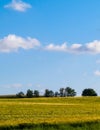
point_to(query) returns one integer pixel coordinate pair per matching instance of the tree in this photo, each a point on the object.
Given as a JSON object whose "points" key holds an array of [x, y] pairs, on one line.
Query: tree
{"points": [[36, 93], [56, 94], [62, 92], [20, 95], [51, 93], [89, 92], [29, 93], [69, 92], [48, 93]]}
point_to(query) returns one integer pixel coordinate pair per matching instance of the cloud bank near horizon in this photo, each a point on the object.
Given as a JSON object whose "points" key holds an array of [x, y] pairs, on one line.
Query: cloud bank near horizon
{"points": [[12, 43]]}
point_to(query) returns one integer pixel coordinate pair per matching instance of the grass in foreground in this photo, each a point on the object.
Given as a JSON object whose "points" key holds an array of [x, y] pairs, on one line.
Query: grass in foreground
{"points": [[44, 126], [50, 113]]}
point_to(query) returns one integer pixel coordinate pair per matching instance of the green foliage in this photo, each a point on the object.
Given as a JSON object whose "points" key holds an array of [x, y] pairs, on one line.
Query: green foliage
{"points": [[89, 92], [56, 94], [68, 91], [48, 93], [36, 93], [45, 126], [20, 95], [29, 93], [62, 92]]}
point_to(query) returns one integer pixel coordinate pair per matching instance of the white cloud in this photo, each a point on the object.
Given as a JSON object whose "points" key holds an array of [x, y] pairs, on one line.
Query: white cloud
{"points": [[75, 46], [18, 5], [97, 73], [15, 85], [52, 47], [91, 47], [18, 85], [12, 43]]}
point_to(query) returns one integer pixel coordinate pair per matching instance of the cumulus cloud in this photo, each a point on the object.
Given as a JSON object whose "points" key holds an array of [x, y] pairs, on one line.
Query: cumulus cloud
{"points": [[18, 5], [75, 46], [52, 47], [97, 73], [91, 47], [12, 43], [63, 47]]}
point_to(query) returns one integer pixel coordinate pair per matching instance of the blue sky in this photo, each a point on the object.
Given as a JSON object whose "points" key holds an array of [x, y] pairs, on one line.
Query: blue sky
{"points": [[49, 44]]}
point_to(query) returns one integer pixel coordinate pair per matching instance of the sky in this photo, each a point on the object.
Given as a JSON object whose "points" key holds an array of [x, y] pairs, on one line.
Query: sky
{"points": [[49, 44]]}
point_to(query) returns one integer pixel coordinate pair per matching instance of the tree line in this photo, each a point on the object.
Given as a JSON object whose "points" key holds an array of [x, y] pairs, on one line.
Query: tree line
{"points": [[63, 92]]}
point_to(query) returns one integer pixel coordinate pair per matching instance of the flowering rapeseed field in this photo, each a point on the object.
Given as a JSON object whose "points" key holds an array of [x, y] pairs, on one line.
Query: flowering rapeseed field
{"points": [[49, 110]]}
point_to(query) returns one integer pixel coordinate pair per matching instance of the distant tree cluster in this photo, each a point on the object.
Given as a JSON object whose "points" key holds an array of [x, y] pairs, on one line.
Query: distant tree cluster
{"points": [[63, 92], [89, 92], [67, 92], [29, 94]]}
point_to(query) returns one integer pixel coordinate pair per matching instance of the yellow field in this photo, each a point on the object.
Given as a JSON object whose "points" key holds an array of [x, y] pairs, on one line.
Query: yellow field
{"points": [[49, 110]]}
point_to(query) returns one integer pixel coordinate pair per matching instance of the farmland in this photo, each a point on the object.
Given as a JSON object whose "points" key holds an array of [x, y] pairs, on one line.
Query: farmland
{"points": [[29, 112]]}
